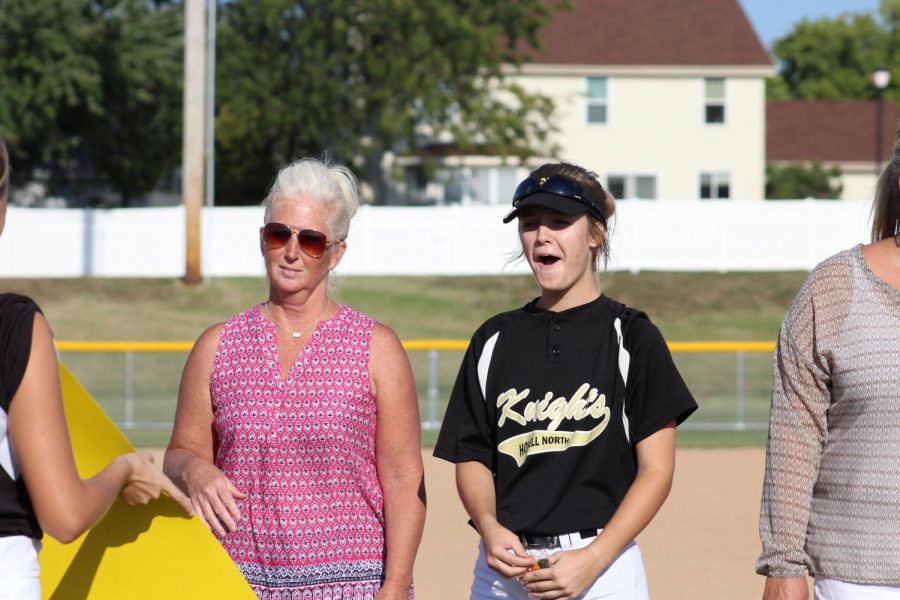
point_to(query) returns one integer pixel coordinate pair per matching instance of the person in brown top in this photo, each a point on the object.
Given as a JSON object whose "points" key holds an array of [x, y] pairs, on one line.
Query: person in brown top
{"points": [[831, 492]]}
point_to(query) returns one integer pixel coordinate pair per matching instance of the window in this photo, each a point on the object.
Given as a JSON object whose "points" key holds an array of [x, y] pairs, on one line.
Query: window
{"points": [[478, 184], [596, 100], [645, 187], [507, 180], [714, 96], [715, 186], [632, 186], [615, 185]]}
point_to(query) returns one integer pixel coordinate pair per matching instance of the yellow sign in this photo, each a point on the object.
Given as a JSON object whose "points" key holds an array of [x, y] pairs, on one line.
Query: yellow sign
{"points": [[148, 552]]}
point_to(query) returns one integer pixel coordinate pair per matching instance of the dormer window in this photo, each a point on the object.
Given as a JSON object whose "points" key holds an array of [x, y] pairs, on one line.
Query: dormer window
{"points": [[714, 96], [596, 100]]}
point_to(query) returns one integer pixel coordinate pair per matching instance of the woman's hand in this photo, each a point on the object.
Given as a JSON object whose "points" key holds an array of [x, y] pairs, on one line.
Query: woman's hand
{"points": [[569, 574], [398, 458], [213, 495], [504, 552], [189, 457], [786, 588], [146, 482], [393, 590]]}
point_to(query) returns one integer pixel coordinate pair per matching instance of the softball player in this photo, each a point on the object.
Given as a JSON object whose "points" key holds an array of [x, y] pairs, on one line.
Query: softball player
{"points": [[562, 419]]}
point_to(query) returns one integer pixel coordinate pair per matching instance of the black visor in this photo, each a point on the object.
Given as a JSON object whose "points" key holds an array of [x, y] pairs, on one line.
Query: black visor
{"points": [[557, 192]]}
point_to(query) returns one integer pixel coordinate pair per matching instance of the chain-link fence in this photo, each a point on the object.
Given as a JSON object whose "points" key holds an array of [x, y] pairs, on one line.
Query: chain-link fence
{"points": [[136, 383]]}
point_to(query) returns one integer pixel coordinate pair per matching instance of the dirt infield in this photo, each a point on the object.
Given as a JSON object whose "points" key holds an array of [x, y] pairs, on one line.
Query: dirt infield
{"points": [[701, 546]]}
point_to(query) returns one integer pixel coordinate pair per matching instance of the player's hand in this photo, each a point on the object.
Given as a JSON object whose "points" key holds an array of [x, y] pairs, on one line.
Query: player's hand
{"points": [[504, 551], [569, 574], [146, 482], [786, 588]]}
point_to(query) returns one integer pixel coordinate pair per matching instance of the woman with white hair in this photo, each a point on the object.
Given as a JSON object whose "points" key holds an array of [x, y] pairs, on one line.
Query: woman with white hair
{"points": [[297, 429]]}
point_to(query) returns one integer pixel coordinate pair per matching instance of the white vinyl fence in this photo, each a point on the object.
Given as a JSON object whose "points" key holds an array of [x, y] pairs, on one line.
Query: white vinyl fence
{"points": [[437, 240]]}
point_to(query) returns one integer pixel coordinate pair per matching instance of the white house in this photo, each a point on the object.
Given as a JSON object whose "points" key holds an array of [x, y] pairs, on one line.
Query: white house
{"points": [[664, 99]]}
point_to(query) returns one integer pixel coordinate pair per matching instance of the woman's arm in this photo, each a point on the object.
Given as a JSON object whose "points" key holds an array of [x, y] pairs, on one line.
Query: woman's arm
{"points": [[502, 548], [189, 456], [798, 427], [66, 506], [571, 572], [398, 455], [786, 588]]}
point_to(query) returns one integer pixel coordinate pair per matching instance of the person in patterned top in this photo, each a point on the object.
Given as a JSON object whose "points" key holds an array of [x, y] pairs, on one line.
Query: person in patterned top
{"points": [[297, 429], [831, 491]]}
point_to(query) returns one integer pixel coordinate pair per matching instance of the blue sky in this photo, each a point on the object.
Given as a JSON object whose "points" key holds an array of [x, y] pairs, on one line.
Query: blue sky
{"points": [[773, 19]]}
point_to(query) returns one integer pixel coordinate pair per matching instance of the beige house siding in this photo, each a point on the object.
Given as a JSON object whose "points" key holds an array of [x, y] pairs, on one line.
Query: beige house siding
{"points": [[655, 126]]}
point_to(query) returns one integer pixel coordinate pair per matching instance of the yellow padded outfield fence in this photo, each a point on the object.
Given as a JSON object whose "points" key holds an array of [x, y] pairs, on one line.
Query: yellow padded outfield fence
{"points": [[722, 386], [63, 346], [677, 347], [409, 345], [730, 400]]}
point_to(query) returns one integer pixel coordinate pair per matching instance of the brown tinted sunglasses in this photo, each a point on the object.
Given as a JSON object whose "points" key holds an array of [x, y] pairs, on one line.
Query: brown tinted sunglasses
{"points": [[312, 243]]}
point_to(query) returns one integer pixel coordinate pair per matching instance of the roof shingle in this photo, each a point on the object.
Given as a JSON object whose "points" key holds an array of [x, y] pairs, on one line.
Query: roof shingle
{"points": [[651, 32], [827, 130]]}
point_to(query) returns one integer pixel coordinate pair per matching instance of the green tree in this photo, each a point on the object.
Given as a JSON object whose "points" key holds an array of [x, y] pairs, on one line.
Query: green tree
{"points": [[93, 88], [47, 80], [136, 141], [834, 58], [793, 182], [359, 78]]}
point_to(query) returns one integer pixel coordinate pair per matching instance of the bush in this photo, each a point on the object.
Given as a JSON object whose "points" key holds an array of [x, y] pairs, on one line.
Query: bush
{"points": [[792, 182]]}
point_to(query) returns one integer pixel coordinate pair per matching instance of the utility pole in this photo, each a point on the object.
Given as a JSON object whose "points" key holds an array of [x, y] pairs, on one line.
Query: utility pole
{"points": [[193, 146], [210, 120], [881, 78]]}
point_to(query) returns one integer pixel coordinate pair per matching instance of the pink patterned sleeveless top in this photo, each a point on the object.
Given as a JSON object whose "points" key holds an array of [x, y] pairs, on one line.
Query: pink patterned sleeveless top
{"points": [[303, 450]]}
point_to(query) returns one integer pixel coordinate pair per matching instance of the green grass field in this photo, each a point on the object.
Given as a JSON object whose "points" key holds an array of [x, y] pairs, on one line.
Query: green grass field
{"points": [[686, 307]]}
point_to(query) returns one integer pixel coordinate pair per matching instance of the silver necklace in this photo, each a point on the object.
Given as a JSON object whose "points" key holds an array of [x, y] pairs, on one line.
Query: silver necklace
{"points": [[295, 334]]}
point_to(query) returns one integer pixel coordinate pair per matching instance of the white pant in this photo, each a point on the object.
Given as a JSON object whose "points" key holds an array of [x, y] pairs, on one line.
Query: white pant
{"points": [[835, 589], [19, 569], [624, 579]]}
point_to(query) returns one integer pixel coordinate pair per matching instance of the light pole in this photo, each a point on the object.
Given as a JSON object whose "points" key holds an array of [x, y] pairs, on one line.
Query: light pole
{"points": [[881, 77]]}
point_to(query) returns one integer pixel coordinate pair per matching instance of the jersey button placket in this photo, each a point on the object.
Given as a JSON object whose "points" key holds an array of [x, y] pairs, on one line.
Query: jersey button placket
{"points": [[555, 350]]}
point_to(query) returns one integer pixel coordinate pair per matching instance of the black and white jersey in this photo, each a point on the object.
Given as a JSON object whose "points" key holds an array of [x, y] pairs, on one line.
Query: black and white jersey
{"points": [[17, 516], [554, 404]]}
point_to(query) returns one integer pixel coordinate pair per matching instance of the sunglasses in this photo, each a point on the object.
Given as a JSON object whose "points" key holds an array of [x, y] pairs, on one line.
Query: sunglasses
{"points": [[558, 185], [312, 243]]}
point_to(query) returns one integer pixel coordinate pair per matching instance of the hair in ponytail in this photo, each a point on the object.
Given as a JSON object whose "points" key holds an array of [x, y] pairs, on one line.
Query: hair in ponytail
{"points": [[886, 209], [4, 171]]}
